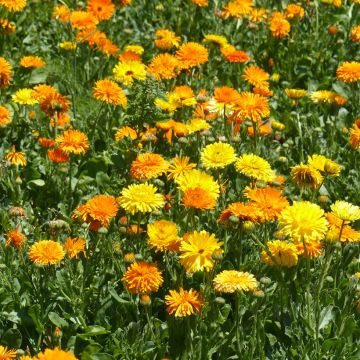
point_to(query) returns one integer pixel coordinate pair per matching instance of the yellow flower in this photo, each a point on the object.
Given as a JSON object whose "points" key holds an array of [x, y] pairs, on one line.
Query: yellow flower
{"points": [[163, 235], [218, 155], [16, 157], [303, 221], [282, 254], [306, 175], [254, 166], [140, 198], [46, 252], [55, 354], [7, 354], [183, 303], [67, 45], [229, 281], [295, 93], [196, 251], [345, 211], [125, 131], [216, 39], [126, 72], [137, 49], [324, 165], [25, 97], [32, 62], [179, 166]]}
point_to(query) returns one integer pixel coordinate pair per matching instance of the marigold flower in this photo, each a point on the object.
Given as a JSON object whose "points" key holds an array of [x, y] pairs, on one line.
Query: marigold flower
{"points": [[57, 156], [254, 166], [73, 142], [179, 166], [198, 198], [281, 253], [183, 303], [238, 8], [46, 142], [142, 278], [229, 281], [166, 39], [251, 107], [197, 249], [126, 72], [75, 246], [256, 76], [233, 55], [164, 66], [294, 11], [324, 165], [83, 20], [216, 39], [55, 354], [46, 252], [242, 211], [4, 116], [7, 354], [323, 96], [306, 176], [201, 3], [16, 157], [163, 235], [148, 166], [14, 5], [15, 238], [303, 221], [67, 45], [140, 198], [348, 72], [354, 139], [110, 92], [32, 62], [124, 132], [217, 155], [101, 9], [312, 249], [355, 34], [279, 26], [61, 13], [345, 211], [5, 73], [25, 97], [295, 93], [257, 15], [129, 56], [191, 54]]}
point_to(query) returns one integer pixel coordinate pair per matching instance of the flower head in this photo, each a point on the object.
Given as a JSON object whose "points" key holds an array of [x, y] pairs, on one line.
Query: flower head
{"points": [[142, 278], [163, 235], [126, 72], [198, 198], [295, 93], [7, 354], [191, 54], [179, 166], [83, 20], [101, 9], [306, 176], [55, 354], [324, 165], [46, 252], [256, 76], [148, 166], [5, 73], [348, 72], [229, 281], [75, 246], [251, 107], [73, 142], [279, 26], [183, 303], [4, 116], [16, 157], [32, 62], [15, 238], [254, 166], [110, 92], [164, 66], [345, 211], [25, 97], [218, 155], [281, 253], [166, 39]]}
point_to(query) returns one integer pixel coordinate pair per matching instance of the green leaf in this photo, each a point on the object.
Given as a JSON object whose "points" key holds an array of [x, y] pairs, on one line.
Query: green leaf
{"points": [[57, 320], [101, 356], [35, 313], [12, 338], [93, 331], [33, 184], [326, 316], [114, 294]]}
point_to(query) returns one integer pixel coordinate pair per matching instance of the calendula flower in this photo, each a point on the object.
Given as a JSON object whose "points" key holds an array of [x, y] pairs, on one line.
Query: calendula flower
{"points": [[224, 100], [166, 39], [148, 166], [279, 26], [198, 198], [216, 39], [46, 252], [5, 73], [355, 34], [83, 20], [348, 72], [14, 5], [191, 54], [242, 211], [4, 116], [110, 92], [98, 211], [229, 281], [126, 72], [16, 239], [256, 76], [142, 278], [218, 155], [312, 249], [67, 45], [295, 93], [324, 165], [46, 142], [294, 11], [251, 107], [238, 8], [163, 235], [183, 303], [164, 66], [196, 251], [73, 142], [345, 211], [61, 13], [354, 138], [179, 166], [140, 198], [201, 3], [16, 157], [233, 55], [258, 15], [7, 354], [281, 253], [55, 354], [101, 9], [75, 246], [303, 221], [125, 132], [58, 156], [255, 167], [32, 62], [306, 176], [25, 97]]}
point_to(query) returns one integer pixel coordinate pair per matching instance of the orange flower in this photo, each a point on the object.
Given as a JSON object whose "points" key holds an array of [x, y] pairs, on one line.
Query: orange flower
{"points": [[354, 139], [243, 211], [125, 131], [183, 303], [107, 47], [142, 278], [163, 66], [279, 26], [61, 13], [199, 198], [233, 55], [201, 3], [110, 92], [313, 249], [32, 62], [46, 142], [58, 156], [15, 238], [238, 8], [251, 107], [46, 252], [62, 120], [74, 247], [263, 130], [4, 116], [83, 20], [256, 76], [52, 102], [148, 166], [101, 9], [58, 354], [226, 96], [348, 72], [5, 73], [294, 11], [129, 56], [166, 39], [191, 54], [98, 211], [73, 142], [13, 5], [16, 157]]}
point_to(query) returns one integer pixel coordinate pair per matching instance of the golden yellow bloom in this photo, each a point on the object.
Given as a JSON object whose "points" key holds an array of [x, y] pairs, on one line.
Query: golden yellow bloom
{"points": [[279, 26], [348, 72], [229, 281], [67, 45], [182, 96], [46, 252], [110, 92], [281, 253], [354, 138], [137, 49], [126, 72], [324, 165], [142, 278], [218, 155], [216, 39], [254, 166], [83, 20], [183, 303], [73, 142], [148, 166], [16, 157], [355, 34], [4, 116], [163, 235], [55, 354], [251, 107], [256, 76], [295, 93], [25, 97], [303, 221], [191, 54], [125, 131], [294, 11], [197, 249], [32, 62], [164, 66], [238, 8], [345, 211], [179, 166], [140, 198], [5, 73], [258, 15], [7, 354], [74, 246], [306, 175], [166, 39], [14, 5]]}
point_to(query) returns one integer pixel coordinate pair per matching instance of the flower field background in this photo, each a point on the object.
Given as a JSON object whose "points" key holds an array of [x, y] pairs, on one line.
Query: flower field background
{"points": [[179, 179]]}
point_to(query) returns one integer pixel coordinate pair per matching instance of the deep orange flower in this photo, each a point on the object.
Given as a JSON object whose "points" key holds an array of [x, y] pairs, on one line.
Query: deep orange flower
{"points": [[226, 96], [164, 66], [4, 116], [58, 156], [148, 166], [46, 142], [110, 92], [279, 26], [183, 303], [73, 142], [251, 107], [53, 102], [15, 238], [348, 72], [191, 54], [142, 278], [313, 249], [83, 20], [129, 56], [61, 120], [243, 211], [263, 130], [166, 39], [231, 54], [354, 139], [75, 246], [5, 73], [46, 252], [101, 9], [198, 198]]}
